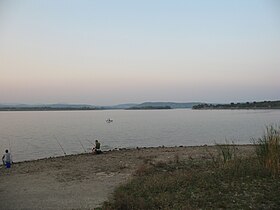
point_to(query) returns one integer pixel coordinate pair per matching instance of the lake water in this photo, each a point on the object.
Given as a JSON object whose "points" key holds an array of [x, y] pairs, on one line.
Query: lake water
{"points": [[33, 135]]}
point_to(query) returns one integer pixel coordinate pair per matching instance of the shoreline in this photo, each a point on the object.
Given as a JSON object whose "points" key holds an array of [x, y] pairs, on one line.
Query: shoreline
{"points": [[123, 149], [85, 181]]}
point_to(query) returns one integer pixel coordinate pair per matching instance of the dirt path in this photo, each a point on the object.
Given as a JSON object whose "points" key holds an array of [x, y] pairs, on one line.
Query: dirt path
{"points": [[81, 181]]}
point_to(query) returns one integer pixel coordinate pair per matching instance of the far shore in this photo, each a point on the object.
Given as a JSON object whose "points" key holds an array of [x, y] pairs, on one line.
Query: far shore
{"points": [[85, 181]]}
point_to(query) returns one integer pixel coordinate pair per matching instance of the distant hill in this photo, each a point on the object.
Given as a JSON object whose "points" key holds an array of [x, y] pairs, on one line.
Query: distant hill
{"points": [[172, 105], [45, 107], [148, 107], [142, 106], [164, 105], [120, 106], [75, 106], [247, 105], [50, 107]]}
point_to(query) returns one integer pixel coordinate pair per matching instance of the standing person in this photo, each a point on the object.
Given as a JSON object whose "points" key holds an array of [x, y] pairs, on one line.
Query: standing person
{"points": [[7, 159], [96, 149]]}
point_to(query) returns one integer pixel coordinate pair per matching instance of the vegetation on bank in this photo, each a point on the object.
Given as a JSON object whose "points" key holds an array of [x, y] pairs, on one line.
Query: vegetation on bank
{"points": [[223, 181], [247, 105]]}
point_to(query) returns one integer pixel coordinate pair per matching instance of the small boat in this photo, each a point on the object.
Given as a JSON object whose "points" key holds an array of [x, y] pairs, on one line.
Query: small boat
{"points": [[109, 120]]}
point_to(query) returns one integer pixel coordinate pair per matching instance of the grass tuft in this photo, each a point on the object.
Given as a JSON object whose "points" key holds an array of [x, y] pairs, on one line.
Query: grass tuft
{"points": [[227, 152], [268, 150]]}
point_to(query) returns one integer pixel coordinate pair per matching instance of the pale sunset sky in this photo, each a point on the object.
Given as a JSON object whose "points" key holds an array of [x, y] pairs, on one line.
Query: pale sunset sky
{"points": [[106, 52]]}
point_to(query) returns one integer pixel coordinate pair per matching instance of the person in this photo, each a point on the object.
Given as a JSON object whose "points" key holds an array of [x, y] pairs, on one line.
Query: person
{"points": [[7, 159], [96, 149]]}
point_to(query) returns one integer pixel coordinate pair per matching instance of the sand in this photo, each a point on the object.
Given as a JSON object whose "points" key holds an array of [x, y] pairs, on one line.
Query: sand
{"points": [[83, 181]]}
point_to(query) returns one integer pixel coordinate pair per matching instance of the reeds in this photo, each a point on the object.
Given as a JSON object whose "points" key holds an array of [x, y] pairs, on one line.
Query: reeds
{"points": [[226, 155], [268, 149], [227, 152]]}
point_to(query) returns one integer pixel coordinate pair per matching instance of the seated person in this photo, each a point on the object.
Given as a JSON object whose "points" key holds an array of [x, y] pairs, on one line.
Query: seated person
{"points": [[96, 149]]}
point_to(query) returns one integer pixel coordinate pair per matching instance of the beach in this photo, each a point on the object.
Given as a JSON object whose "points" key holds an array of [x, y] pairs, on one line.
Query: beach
{"points": [[85, 181]]}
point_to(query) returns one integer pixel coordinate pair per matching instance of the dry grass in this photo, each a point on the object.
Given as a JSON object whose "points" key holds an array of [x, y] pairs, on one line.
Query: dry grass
{"points": [[196, 184], [224, 181], [268, 150]]}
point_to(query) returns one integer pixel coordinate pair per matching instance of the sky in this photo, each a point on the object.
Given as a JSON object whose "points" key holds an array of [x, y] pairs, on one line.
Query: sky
{"points": [[106, 52]]}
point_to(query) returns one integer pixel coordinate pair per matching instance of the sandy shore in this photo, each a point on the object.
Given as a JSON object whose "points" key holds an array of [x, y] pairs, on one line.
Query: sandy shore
{"points": [[82, 181]]}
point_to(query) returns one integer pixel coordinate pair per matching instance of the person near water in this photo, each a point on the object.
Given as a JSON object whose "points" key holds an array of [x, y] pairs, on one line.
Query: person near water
{"points": [[7, 159], [96, 149]]}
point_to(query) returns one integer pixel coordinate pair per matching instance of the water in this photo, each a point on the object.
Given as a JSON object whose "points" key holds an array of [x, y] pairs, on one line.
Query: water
{"points": [[33, 135]]}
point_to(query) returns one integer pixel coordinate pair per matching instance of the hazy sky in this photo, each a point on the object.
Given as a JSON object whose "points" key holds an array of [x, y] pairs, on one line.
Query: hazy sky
{"points": [[109, 52]]}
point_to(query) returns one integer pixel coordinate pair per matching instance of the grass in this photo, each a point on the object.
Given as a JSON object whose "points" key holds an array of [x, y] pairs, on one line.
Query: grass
{"points": [[198, 185], [224, 181], [227, 152], [268, 149]]}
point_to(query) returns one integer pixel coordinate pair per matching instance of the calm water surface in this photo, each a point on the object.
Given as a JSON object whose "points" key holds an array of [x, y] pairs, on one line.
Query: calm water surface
{"points": [[33, 135]]}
